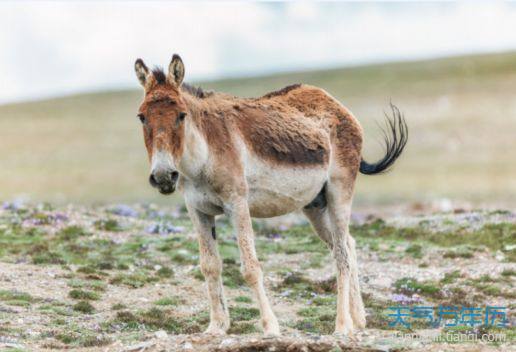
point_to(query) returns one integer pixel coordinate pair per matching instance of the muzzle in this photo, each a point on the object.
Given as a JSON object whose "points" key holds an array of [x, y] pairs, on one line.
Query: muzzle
{"points": [[164, 180]]}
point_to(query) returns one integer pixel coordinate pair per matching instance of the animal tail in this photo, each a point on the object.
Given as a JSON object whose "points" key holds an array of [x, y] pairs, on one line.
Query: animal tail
{"points": [[395, 137]]}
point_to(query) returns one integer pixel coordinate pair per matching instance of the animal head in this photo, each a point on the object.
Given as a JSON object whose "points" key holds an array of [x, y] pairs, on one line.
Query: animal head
{"points": [[162, 114]]}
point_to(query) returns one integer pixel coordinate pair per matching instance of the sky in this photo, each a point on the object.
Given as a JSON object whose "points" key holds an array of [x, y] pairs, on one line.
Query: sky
{"points": [[56, 48]]}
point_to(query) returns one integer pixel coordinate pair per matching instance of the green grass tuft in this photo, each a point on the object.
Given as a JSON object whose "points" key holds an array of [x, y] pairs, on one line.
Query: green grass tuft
{"points": [[70, 233], [410, 286], [6, 295], [168, 301], [451, 277], [415, 250], [111, 225], [83, 295], [239, 313], [165, 272], [243, 299], [84, 307], [158, 319]]}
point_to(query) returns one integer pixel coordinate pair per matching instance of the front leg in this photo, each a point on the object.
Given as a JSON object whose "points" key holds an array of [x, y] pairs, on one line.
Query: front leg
{"points": [[211, 268], [238, 211]]}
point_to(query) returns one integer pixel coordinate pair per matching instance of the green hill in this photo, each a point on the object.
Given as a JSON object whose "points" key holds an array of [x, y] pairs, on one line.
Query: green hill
{"points": [[461, 113]]}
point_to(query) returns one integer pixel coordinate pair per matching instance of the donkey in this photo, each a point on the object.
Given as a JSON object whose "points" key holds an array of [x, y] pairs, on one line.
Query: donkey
{"points": [[291, 149]]}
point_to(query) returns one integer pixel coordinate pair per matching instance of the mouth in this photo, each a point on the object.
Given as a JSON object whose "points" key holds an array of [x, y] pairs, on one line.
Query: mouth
{"points": [[166, 189], [165, 185]]}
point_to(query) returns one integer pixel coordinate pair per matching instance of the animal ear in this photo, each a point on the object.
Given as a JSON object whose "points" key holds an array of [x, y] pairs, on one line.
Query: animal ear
{"points": [[141, 71], [176, 71]]}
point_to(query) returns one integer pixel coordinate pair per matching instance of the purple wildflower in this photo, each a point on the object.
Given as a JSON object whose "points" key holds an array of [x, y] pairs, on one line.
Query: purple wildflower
{"points": [[14, 205], [404, 299], [163, 228], [60, 217], [273, 236], [124, 210]]}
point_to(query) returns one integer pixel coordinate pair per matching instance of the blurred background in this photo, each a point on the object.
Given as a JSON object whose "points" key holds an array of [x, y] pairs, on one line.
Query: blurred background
{"points": [[68, 95]]}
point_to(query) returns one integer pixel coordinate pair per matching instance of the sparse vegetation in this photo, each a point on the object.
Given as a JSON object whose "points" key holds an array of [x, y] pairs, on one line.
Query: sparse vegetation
{"points": [[451, 277], [155, 271], [243, 299], [409, 286], [493, 236], [84, 307], [160, 319], [108, 225], [167, 301], [243, 313], [83, 295], [415, 250]]}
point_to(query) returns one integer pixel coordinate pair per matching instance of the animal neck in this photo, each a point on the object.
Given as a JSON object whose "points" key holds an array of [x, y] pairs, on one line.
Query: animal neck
{"points": [[195, 153]]}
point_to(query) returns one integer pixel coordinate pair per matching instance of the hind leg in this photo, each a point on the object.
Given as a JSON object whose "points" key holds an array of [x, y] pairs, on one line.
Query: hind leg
{"points": [[320, 220], [323, 226], [339, 213], [357, 304]]}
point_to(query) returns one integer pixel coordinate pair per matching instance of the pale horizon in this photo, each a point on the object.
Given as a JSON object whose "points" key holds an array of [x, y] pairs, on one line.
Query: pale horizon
{"points": [[52, 49]]}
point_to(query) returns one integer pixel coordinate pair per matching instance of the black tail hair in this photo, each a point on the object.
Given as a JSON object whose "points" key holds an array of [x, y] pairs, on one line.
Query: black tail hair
{"points": [[395, 139]]}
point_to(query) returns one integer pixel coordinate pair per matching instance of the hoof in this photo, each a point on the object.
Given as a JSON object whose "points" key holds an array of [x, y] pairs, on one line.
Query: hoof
{"points": [[359, 317], [215, 330], [271, 329], [360, 323], [343, 332], [271, 333]]}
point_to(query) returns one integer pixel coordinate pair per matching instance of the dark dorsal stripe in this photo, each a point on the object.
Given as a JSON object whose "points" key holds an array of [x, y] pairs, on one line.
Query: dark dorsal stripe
{"points": [[282, 91]]}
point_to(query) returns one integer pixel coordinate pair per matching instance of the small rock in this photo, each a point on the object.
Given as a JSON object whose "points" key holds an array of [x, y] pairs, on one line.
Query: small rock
{"points": [[13, 345], [226, 343], [187, 346], [140, 346], [161, 334], [500, 256]]}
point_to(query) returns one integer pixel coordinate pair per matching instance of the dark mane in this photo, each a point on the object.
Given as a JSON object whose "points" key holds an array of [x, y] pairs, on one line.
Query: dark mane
{"points": [[159, 75], [198, 92]]}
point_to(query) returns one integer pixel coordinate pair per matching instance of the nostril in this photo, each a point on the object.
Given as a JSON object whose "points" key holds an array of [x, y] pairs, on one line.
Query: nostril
{"points": [[174, 175], [152, 180]]}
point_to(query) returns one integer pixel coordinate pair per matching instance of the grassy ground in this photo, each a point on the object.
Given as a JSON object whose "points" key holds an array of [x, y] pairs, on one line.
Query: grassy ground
{"points": [[119, 277], [461, 113]]}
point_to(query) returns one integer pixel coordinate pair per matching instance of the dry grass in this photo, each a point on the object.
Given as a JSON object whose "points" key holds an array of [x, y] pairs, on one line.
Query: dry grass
{"points": [[461, 114]]}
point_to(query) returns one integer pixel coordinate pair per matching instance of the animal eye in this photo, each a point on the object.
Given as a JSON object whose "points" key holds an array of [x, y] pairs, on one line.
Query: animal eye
{"points": [[141, 117], [182, 116]]}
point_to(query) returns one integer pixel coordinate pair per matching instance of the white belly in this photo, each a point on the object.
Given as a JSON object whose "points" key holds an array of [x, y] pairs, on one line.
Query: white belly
{"points": [[272, 190], [279, 190]]}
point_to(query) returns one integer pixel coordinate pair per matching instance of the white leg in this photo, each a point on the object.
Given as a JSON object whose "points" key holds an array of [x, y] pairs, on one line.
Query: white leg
{"points": [[211, 268], [251, 269]]}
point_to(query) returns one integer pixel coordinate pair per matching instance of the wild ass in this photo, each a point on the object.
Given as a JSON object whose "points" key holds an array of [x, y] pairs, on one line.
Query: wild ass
{"points": [[295, 148]]}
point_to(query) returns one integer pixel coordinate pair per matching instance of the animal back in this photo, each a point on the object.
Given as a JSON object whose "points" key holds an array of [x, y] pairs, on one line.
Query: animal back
{"points": [[282, 135]]}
